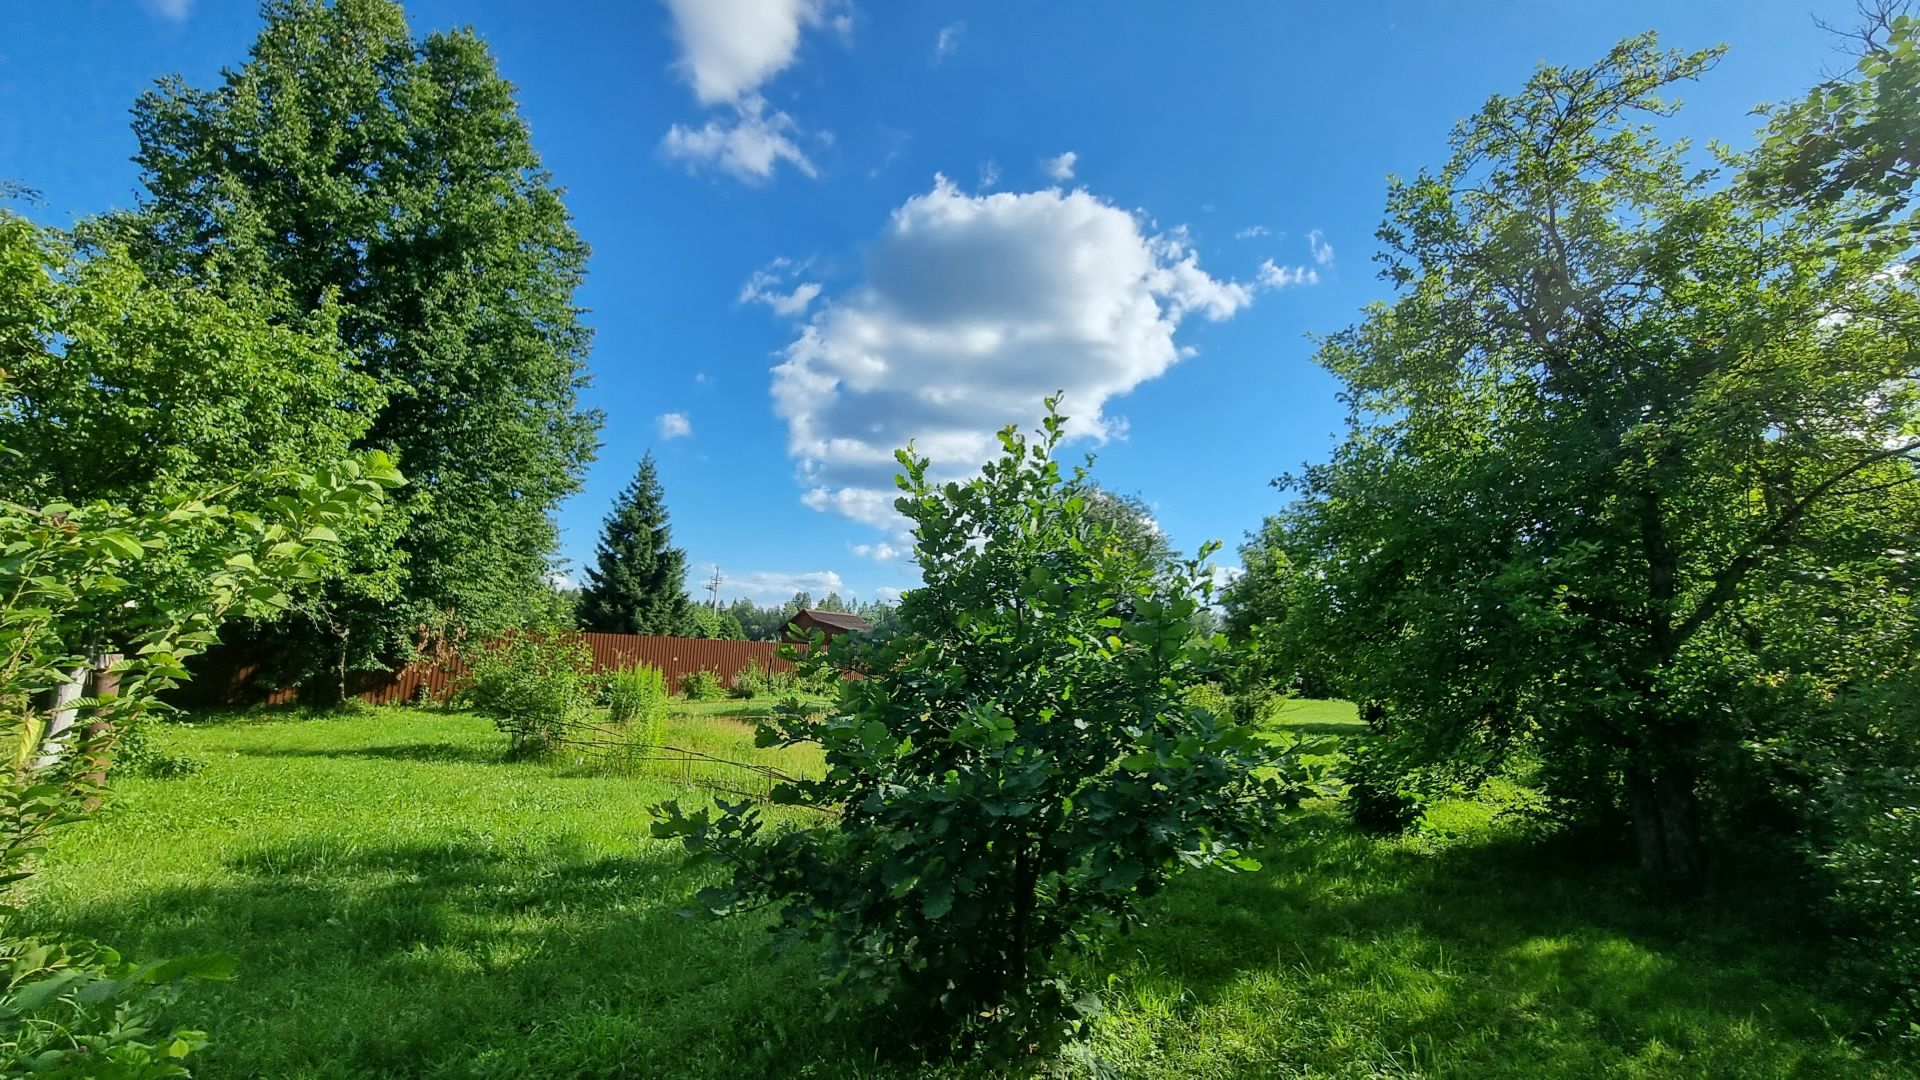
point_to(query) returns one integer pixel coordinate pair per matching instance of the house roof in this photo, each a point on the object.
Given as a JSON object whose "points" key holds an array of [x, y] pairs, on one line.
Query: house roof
{"points": [[835, 619]]}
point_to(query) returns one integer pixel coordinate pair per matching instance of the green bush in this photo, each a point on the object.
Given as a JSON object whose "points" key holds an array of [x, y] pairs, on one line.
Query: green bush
{"points": [[1860, 827], [702, 685], [1876, 875], [533, 688], [637, 697], [69, 1007], [750, 682], [1013, 775], [1380, 794], [634, 692], [757, 681], [1209, 696]]}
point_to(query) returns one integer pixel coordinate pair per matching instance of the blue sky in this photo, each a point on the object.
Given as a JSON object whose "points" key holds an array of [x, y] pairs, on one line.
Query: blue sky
{"points": [[820, 227]]}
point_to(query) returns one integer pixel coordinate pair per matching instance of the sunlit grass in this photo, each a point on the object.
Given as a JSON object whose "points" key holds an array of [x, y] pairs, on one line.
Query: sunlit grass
{"points": [[405, 903]]}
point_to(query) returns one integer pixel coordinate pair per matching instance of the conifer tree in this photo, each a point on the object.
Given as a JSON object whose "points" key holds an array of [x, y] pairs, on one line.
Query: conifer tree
{"points": [[638, 585]]}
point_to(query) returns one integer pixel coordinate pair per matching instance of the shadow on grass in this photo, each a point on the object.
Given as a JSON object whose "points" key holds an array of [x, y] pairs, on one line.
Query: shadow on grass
{"points": [[434, 752], [1503, 956], [479, 958], [495, 955], [1326, 727]]}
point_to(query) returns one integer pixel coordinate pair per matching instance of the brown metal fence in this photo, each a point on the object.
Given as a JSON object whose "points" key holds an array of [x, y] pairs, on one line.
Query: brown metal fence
{"points": [[677, 657]]}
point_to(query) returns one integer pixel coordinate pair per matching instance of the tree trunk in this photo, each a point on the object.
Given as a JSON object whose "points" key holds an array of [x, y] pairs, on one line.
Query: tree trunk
{"points": [[1023, 888], [98, 739], [60, 714], [1662, 799], [340, 670], [1666, 823]]}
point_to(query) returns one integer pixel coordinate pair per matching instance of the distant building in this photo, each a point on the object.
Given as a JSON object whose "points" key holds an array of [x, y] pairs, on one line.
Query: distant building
{"points": [[800, 628]]}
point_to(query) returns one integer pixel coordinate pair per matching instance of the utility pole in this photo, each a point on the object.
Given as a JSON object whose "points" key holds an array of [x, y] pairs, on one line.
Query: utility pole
{"points": [[713, 589]]}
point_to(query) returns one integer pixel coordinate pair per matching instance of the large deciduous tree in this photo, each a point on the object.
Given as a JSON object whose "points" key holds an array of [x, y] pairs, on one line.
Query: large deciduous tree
{"points": [[638, 583], [1631, 459], [135, 388], [353, 168]]}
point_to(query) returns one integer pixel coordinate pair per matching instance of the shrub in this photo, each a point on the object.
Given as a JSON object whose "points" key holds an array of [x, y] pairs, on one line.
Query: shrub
{"points": [[702, 685], [1380, 792], [750, 681], [70, 1007], [818, 680], [1209, 696], [637, 697], [533, 688], [1860, 827], [1013, 774]]}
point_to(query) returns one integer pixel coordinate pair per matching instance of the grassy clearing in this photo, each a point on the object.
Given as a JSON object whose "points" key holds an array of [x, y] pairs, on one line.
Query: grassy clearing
{"points": [[404, 904], [1308, 716], [710, 745]]}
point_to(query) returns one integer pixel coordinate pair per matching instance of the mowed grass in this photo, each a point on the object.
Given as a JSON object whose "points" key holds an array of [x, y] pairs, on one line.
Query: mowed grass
{"points": [[1310, 716], [403, 903]]}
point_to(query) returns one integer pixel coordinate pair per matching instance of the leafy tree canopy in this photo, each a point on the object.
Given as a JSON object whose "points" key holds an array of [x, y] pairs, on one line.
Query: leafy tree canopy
{"points": [[1631, 427], [353, 172]]}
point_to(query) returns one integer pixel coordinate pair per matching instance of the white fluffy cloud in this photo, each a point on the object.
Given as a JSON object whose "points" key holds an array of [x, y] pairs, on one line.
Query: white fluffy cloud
{"points": [[1321, 250], [748, 146], [974, 308], [729, 49], [764, 586], [881, 552], [1283, 277], [776, 286], [1061, 168], [673, 425], [1252, 232]]}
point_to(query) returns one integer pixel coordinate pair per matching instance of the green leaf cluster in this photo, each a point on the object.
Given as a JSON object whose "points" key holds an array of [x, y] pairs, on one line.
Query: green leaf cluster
{"points": [[353, 173], [1630, 481], [74, 584], [1009, 774]]}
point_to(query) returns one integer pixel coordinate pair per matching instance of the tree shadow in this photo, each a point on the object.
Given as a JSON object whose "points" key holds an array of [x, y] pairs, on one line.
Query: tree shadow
{"points": [[430, 752], [1493, 955], [481, 957], [500, 955], [1325, 727]]}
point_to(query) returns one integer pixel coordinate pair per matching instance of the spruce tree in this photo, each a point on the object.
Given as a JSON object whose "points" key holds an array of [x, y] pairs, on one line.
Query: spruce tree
{"points": [[639, 583]]}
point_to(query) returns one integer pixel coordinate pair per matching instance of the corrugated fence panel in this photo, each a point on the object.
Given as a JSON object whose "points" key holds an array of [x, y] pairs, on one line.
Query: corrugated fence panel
{"points": [[677, 657]]}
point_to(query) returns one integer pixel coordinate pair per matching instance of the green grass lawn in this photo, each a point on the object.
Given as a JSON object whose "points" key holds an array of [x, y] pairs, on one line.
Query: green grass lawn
{"points": [[1309, 716], [403, 903]]}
